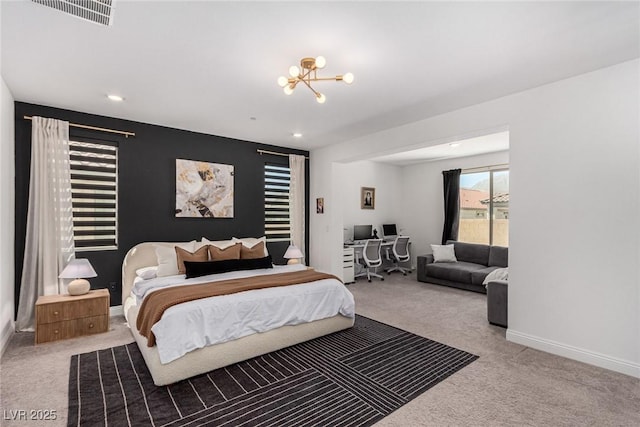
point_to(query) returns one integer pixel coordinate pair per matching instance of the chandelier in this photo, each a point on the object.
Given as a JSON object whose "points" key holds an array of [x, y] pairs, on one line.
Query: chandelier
{"points": [[306, 74]]}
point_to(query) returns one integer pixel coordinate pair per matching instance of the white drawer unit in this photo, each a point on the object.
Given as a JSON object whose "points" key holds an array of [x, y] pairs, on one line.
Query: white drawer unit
{"points": [[348, 265]]}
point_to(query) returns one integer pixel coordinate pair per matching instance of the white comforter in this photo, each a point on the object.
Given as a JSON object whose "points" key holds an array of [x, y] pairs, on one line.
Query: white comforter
{"points": [[196, 324]]}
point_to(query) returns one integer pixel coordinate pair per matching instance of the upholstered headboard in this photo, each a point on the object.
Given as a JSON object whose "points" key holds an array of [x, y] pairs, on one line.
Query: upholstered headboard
{"points": [[141, 255]]}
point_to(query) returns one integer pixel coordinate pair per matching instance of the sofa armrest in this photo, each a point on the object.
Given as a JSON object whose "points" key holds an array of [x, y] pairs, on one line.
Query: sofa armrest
{"points": [[423, 260]]}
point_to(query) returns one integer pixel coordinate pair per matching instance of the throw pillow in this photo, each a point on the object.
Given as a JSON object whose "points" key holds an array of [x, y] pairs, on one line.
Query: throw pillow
{"points": [[167, 259], [252, 253], [230, 252], [197, 269], [147, 273], [182, 255], [250, 242], [443, 253], [221, 244]]}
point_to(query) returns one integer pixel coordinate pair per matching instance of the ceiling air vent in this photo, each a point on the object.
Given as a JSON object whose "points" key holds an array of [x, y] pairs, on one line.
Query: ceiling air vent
{"points": [[98, 11]]}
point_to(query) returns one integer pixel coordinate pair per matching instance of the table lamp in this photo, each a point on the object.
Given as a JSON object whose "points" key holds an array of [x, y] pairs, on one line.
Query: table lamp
{"points": [[78, 269], [293, 254]]}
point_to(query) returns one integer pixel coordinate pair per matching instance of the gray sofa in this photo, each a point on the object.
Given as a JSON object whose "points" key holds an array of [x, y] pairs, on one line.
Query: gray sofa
{"points": [[497, 302], [475, 261]]}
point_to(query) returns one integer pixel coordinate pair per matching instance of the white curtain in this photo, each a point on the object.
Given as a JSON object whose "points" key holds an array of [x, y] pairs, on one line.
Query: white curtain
{"points": [[49, 239], [296, 201]]}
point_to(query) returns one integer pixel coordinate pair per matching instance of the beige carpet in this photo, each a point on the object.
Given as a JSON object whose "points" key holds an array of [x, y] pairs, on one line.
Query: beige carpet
{"points": [[508, 385]]}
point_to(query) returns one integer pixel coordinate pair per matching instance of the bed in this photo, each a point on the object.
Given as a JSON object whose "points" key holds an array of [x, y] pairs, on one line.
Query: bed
{"points": [[167, 367]]}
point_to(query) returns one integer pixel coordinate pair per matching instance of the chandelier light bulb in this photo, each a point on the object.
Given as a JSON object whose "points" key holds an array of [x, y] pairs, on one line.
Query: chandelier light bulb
{"points": [[294, 71], [321, 98], [288, 90], [321, 61], [348, 78], [283, 81]]}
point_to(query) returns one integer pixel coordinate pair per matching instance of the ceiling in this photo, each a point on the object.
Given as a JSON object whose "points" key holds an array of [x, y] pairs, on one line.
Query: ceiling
{"points": [[212, 66], [484, 144]]}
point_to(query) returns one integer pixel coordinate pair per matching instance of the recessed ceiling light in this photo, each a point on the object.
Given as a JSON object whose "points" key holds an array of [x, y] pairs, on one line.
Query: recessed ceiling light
{"points": [[116, 98], [297, 135], [454, 144]]}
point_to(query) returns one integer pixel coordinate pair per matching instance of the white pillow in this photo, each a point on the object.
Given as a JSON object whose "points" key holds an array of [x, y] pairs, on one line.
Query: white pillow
{"points": [[443, 253], [249, 242], [497, 274], [220, 244], [147, 273], [167, 258]]}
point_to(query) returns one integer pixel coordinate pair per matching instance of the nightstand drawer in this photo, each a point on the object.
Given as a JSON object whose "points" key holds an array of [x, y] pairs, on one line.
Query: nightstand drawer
{"points": [[86, 308], [71, 328], [55, 312], [92, 325], [50, 313]]}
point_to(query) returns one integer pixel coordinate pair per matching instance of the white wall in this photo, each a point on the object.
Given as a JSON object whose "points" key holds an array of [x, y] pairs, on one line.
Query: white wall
{"points": [[386, 179], [574, 209], [423, 210], [7, 214]]}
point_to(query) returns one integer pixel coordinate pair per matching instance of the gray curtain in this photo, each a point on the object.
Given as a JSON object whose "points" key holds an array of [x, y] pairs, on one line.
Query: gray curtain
{"points": [[451, 187]]}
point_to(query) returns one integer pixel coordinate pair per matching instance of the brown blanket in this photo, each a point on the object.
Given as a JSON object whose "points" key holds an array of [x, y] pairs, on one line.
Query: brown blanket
{"points": [[155, 304]]}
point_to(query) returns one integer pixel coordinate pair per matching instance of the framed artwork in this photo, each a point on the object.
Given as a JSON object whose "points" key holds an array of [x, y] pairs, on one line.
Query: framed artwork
{"points": [[367, 198], [204, 190], [320, 205]]}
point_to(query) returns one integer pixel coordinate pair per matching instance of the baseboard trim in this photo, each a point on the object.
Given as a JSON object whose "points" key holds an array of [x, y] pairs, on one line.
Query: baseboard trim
{"points": [[593, 358], [5, 336]]}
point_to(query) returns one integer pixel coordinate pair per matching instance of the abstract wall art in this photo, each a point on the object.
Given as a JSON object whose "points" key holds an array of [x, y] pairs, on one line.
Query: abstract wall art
{"points": [[204, 190]]}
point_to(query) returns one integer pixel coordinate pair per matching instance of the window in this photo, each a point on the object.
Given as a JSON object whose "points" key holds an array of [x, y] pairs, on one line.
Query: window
{"points": [[94, 195], [277, 224], [484, 207]]}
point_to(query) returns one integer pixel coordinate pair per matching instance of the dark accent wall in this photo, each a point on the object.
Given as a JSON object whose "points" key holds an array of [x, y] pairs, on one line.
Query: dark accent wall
{"points": [[146, 187]]}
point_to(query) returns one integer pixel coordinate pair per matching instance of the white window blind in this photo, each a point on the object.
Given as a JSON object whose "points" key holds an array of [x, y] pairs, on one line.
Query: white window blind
{"points": [[277, 225], [94, 195]]}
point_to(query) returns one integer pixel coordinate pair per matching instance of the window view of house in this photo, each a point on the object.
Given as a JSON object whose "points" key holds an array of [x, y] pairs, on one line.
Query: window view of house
{"points": [[484, 207]]}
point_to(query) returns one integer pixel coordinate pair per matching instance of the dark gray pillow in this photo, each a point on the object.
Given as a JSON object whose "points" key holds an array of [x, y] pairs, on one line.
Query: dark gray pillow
{"points": [[203, 268], [498, 256]]}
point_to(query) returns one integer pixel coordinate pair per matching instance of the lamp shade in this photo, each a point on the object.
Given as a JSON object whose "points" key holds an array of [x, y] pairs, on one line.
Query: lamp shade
{"points": [[78, 269], [293, 254]]}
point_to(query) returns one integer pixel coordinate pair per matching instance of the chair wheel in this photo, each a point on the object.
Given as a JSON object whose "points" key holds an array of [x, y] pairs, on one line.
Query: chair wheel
{"points": [[369, 280], [382, 279], [389, 273], [404, 274]]}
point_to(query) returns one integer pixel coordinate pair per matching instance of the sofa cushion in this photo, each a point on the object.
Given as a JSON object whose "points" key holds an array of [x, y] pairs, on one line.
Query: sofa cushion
{"points": [[454, 271], [499, 256], [471, 252], [478, 276]]}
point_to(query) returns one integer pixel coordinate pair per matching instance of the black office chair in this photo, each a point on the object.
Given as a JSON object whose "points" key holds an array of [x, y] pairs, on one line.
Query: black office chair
{"points": [[400, 253], [372, 259]]}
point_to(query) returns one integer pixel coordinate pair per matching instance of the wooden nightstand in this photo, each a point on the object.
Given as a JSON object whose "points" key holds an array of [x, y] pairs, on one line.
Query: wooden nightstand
{"points": [[60, 317]]}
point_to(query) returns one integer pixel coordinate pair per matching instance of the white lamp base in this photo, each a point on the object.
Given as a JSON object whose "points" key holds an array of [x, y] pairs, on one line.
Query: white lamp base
{"points": [[293, 261], [79, 287]]}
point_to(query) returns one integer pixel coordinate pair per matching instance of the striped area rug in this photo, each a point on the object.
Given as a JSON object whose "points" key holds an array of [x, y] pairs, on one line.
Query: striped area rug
{"points": [[350, 378]]}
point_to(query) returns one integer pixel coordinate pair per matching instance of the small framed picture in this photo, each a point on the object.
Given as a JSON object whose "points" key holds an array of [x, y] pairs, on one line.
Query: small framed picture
{"points": [[320, 205], [367, 198]]}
